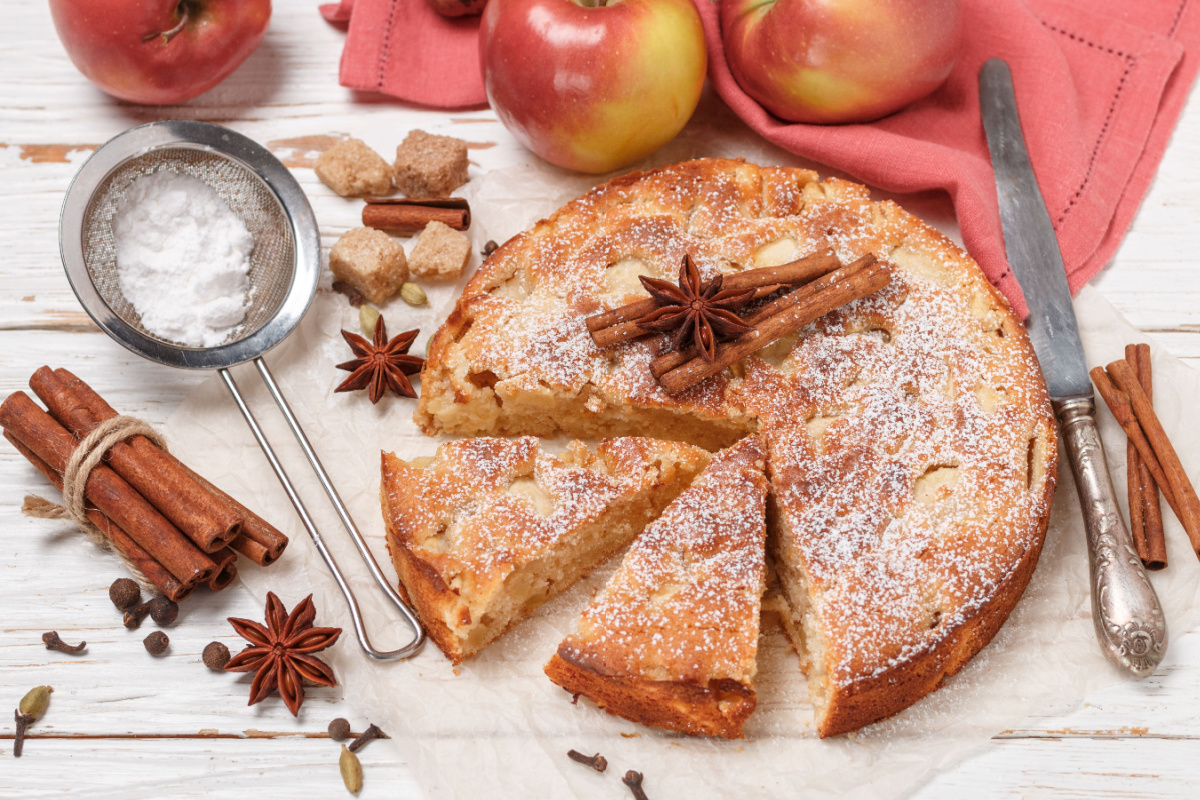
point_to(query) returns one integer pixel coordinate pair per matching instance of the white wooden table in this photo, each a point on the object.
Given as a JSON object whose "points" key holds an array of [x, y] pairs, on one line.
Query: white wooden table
{"points": [[123, 724]]}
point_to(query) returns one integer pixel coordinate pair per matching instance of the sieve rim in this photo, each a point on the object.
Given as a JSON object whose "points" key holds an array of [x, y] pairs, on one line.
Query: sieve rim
{"points": [[165, 134]]}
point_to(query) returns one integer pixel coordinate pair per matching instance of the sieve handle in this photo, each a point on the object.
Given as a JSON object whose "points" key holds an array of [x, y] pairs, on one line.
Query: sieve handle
{"points": [[355, 613]]}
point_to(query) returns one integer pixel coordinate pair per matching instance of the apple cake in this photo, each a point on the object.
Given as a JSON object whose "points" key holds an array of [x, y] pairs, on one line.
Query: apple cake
{"points": [[672, 639], [910, 441], [488, 529]]}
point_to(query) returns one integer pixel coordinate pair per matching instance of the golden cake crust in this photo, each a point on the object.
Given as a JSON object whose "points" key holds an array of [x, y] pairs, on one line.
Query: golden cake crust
{"points": [[462, 528], [671, 640], [910, 441]]}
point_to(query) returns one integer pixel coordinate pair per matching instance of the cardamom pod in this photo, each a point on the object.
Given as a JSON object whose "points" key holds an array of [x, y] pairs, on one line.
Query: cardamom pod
{"points": [[367, 317], [35, 701], [351, 769], [413, 295]]}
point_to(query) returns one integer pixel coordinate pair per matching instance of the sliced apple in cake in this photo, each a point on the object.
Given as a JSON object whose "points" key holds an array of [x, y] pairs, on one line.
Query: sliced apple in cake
{"points": [[489, 529], [672, 640]]}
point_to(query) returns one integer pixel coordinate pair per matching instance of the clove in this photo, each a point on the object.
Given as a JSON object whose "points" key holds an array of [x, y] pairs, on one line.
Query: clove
{"points": [[633, 780], [489, 248], [596, 762], [353, 295], [53, 642], [372, 732], [160, 608]]}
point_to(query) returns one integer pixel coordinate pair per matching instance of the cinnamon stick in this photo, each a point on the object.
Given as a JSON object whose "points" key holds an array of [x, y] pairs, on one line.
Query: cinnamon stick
{"points": [[226, 561], [816, 300], [1181, 486], [208, 522], [674, 359], [108, 491], [1152, 546], [1122, 411], [619, 324], [164, 581], [411, 215], [258, 540]]}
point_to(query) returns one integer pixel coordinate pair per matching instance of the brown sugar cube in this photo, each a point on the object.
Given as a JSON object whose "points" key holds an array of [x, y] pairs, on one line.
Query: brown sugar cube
{"points": [[440, 254], [370, 261], [352, 169], [430, 166]]}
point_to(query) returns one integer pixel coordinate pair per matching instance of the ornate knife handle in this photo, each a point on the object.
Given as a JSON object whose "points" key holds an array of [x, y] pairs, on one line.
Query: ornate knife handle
{"points": [[1125, 610]]}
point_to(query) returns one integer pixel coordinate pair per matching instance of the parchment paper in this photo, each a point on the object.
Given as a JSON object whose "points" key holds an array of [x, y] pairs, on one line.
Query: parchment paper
{"points": [[497, 727]]}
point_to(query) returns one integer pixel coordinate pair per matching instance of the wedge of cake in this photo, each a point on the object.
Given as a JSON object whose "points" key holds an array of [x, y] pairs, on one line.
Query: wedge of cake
{"points": [[671, 641], [489, 529]]}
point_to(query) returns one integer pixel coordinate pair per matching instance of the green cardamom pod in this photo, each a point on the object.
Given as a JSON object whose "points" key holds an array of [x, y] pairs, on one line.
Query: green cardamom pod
{"points": [[367, 317], [34, 703], [413, 295], [351, 769]]}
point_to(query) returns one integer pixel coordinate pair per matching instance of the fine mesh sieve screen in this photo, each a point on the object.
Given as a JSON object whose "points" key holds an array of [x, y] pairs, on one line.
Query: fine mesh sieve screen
{"points": [[272, 262]]}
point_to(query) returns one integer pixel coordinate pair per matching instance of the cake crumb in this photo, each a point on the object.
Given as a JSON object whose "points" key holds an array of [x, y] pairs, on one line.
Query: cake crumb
{"points": [[441, 253], [352, 169], [430, 166], [370, 261]]}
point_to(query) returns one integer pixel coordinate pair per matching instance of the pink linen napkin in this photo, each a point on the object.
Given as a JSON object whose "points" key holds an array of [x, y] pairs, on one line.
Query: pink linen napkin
{"points": [[1100, 86], [406, 49]]}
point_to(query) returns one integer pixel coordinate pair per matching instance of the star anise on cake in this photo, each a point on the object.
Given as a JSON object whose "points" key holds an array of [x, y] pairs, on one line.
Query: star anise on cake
{"points": [[699, 313], [381, 364], [280, 653]]}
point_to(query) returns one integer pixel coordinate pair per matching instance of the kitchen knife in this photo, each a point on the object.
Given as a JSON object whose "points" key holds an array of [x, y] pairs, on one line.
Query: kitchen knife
{"points": [[1125, 610]]}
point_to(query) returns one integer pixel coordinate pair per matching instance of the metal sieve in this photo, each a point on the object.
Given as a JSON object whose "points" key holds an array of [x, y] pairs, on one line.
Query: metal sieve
{"points": [[284, 268]]}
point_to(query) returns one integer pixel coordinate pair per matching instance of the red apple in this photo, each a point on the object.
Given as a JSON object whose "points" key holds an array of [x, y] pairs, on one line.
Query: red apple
{"points": [[588, 85], [159, 51], [845, 61]]}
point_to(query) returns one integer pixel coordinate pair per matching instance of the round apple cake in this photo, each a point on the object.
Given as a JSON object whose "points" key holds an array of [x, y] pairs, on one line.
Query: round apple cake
{"points": [[910, 442]]}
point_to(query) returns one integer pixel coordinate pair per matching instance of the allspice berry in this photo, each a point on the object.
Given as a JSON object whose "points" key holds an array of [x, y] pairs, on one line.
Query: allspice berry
{"points": [[163, 610], [124, 593], [339, 729], [156, 643], [216, 656]]}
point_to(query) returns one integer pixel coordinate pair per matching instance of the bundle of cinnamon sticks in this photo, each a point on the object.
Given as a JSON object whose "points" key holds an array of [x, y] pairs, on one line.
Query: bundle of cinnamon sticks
{"points": [[1153, 464], [824, 285], [174, 526]]}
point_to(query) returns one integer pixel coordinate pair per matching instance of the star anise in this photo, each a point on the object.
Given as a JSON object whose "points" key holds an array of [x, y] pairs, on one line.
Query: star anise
{"points": [[281, 652], [382, 364], [700, 314]]}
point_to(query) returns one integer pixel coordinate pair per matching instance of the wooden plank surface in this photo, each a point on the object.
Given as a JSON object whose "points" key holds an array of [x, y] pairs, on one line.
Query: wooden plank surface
{"points": [[124, 724]]}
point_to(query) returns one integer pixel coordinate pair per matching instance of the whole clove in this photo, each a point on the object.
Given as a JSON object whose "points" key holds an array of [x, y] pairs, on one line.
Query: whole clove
{"points": [[596, 762], [156, 643], [351, 769], [372, 732], [216, 656], [32, 706], [134, 616], [489, 248], [353, 295], [124, 593], [339, 729], [633, 780], [53, 642], [163, 610]]}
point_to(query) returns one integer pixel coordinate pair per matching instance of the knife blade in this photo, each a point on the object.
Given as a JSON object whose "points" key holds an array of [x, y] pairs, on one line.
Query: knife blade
{"points": [[1126, 612]]}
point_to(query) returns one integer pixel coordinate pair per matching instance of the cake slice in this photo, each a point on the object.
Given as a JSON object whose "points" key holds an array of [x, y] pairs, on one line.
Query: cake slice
{"points": [[489, 529], [672, 640]]}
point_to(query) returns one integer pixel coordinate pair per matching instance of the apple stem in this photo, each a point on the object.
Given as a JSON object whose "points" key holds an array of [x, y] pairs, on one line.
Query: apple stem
{"points": [[184, 13]]}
